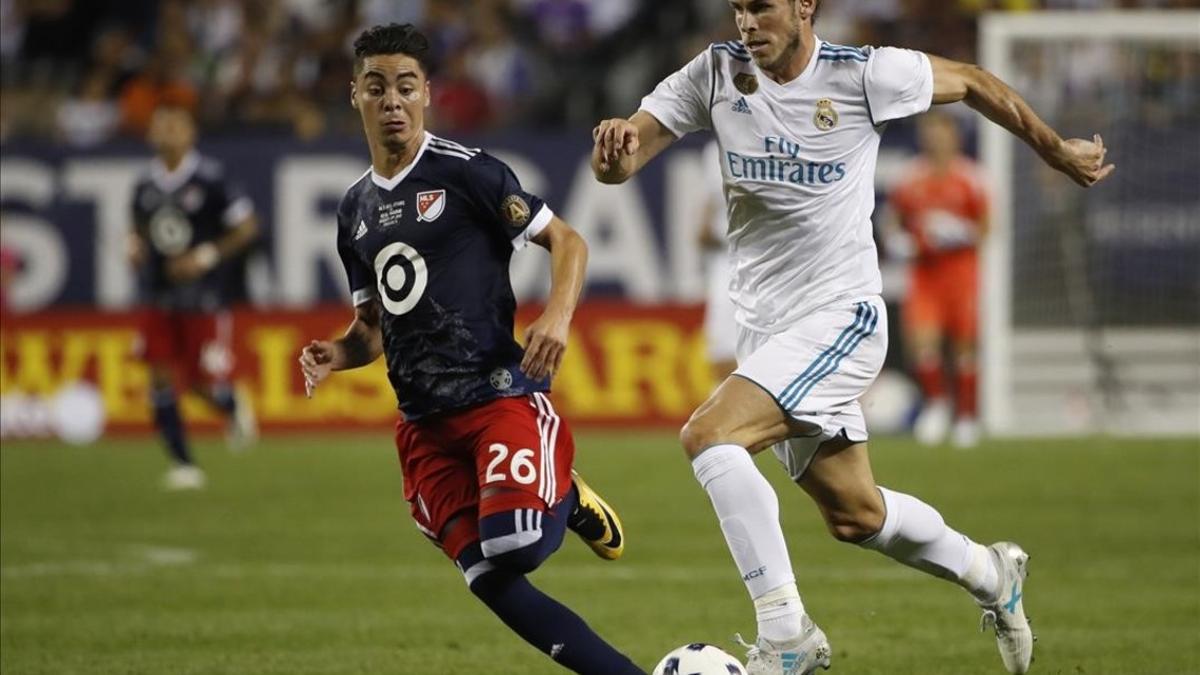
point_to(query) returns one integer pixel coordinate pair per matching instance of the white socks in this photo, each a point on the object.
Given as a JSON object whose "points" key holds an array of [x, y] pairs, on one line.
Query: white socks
{"points": [[981, 579], [749, 513], [779, 613], [915, 534]]}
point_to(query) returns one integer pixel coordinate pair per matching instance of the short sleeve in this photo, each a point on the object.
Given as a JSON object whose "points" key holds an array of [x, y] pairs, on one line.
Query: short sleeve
{"points": [[232, 203], [239, 207], [520, 215], [680, 102], [898, 83], [359, 275]]}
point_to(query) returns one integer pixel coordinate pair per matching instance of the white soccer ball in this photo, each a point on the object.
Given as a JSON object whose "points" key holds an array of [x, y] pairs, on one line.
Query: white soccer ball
{"points": [[77, 414], [699, 659]]}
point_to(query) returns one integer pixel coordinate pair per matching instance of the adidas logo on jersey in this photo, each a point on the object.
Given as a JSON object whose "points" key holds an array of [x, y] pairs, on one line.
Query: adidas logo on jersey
{"points": [[362, 231], [740, 105]]}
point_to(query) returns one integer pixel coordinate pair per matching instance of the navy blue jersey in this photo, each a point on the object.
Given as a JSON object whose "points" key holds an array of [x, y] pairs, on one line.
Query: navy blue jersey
{"points": [[174, 211], [433, 245]]}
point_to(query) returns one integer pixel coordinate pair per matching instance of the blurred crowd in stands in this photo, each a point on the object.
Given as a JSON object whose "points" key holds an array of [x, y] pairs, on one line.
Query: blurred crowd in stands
{"points": [[84, 71]]}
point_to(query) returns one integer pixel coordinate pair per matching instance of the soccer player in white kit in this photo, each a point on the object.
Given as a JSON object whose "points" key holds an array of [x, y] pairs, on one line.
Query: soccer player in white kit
{"points": [[799, 121]]}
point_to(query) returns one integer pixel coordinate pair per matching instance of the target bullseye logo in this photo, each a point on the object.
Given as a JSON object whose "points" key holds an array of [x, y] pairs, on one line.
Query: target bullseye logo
{"points": [[170, 231], [401, 274]]}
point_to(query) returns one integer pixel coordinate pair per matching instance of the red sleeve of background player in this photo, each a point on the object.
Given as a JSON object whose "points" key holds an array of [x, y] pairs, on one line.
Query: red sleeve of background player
{"points": [[901, 203], [977, 195]]}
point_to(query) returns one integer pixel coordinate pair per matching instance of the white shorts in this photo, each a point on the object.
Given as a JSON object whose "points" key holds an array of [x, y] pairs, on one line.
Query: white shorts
{"points": [[720, 328], [816, 370]]}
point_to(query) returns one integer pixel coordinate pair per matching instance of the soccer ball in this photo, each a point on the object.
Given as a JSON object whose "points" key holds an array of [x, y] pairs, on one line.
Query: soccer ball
{"points": [[699, 659]]}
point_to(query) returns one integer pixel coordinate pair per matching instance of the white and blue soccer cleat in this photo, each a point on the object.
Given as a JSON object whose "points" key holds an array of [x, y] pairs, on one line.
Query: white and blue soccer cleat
{"points": [[801, 656], [184, 477], [1007, 613], [241, 429]]}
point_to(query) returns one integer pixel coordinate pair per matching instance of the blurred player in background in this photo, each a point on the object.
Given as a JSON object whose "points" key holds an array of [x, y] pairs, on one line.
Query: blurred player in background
{"points": [[426, 236], [10, 266], [940, 211], [799, 121], [720, 327], [189, 226]]}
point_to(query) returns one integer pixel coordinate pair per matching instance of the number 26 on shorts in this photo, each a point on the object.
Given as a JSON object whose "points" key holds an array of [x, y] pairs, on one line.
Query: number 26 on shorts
{"points": [[520, 466]]}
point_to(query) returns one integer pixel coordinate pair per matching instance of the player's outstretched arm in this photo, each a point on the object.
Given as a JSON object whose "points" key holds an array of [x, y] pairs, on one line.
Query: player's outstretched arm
{"points": [[1081, 159], [546, 337], [623, 146], [362, 344]]}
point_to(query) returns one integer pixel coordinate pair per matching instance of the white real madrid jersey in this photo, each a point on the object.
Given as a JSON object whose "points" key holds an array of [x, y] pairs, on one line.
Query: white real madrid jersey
{"points": [[798, 163]]}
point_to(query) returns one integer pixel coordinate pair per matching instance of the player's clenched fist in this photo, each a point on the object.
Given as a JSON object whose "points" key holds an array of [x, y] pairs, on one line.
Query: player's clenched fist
{"points": [[545, 343], [613, 138], [1083, 160], [316, 362]]}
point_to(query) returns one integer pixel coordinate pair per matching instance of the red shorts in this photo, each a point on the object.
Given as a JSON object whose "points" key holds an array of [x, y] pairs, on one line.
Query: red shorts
{"points": [[516, 443], [944, 296], [197, 346]]}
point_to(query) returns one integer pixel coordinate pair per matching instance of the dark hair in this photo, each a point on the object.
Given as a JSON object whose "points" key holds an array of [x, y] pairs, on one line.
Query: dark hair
{"points": [[392, 38]]}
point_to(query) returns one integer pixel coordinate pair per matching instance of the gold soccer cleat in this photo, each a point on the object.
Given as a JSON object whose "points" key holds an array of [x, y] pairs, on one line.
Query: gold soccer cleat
{"points": [[596, 522]]}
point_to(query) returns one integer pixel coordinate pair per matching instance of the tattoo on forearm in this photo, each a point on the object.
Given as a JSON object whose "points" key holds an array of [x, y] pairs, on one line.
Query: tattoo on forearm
{"points": [[357, 349], [360, 345], [368, 314]]}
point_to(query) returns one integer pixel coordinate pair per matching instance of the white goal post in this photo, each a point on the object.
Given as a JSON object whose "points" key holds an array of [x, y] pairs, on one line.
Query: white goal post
{"points": [[1091, 375]]}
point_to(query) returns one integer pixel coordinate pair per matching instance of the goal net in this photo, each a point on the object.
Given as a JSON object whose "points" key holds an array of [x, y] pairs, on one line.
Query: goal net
{"points": [[1091, 298]]}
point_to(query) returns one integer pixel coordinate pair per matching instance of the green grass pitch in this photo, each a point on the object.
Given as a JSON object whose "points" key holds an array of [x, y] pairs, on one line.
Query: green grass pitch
{"points": [[300, 558]]}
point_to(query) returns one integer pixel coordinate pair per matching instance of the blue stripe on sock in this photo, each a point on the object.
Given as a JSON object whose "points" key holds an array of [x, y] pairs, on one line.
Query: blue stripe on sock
{"points": [[846, 334]]}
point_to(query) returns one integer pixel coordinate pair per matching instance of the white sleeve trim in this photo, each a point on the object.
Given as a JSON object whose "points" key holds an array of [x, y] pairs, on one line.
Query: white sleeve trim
{"points": [[539, 223], [239, 210], [363, 295]]}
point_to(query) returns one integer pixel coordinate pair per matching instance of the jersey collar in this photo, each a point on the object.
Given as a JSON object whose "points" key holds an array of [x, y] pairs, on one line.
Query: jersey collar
{"points": [[170, 181], [803, 76], [390, 184]]}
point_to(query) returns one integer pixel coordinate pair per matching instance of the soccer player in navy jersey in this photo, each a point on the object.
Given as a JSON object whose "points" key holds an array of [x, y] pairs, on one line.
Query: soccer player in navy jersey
{"points": [[426, 236], [191, 226]]}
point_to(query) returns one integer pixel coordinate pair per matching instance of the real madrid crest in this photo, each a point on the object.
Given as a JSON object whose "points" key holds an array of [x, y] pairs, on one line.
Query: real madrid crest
{"points": [[745, 83], [826, 117]]}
